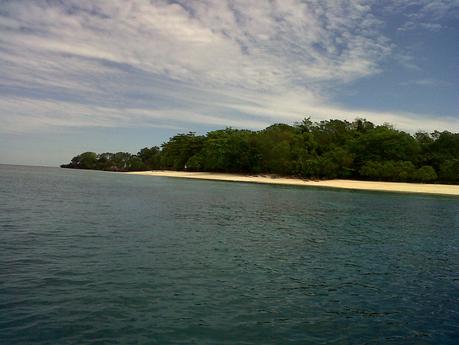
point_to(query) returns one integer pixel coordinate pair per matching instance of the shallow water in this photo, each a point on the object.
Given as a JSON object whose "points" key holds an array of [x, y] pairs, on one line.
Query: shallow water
{"points": [[90, 257]]}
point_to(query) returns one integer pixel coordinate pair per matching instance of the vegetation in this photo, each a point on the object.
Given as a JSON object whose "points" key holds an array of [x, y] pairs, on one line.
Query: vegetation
{"points": [[320, 150]]}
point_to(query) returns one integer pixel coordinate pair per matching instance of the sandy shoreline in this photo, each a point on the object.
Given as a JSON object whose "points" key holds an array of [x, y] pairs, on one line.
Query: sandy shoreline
{"points": [[343, 184]]}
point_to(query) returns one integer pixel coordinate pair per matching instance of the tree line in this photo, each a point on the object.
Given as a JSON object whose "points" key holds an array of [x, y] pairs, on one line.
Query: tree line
{"points": [[312, 150]]}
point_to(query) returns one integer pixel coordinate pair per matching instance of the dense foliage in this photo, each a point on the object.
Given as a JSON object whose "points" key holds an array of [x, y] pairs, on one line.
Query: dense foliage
{"points": [[325, 149]]}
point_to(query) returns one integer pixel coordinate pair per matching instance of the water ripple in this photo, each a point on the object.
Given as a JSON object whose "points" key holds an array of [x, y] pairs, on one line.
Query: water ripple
{"points": [[88, 257]]}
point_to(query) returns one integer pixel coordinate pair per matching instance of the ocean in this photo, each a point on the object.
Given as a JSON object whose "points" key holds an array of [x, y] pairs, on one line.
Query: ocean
{"points": [[89, 257]]}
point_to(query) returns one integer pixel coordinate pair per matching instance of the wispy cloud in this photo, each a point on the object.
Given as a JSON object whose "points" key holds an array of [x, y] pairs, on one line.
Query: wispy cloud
{"points": [[427, 82], [424, 14], [141, 63]]}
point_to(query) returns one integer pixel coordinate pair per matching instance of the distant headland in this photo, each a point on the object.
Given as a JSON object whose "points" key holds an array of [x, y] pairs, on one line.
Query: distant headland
{"points": [[332, 149]]}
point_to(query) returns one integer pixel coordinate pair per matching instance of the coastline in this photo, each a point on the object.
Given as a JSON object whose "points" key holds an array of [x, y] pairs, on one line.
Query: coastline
{"points": [[400, 187]]}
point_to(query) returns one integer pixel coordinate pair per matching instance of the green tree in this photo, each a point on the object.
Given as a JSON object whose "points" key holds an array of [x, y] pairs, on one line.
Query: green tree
{"points": [[449, 171], [179, 149], [150, 157], [86, 160], [228, 150], [336, 163], [384, 143], [425, 174], [396, 171], [275, 145]]}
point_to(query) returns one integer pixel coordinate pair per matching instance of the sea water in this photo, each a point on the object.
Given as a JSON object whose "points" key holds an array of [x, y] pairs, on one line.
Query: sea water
{"points": [[91, 257]]}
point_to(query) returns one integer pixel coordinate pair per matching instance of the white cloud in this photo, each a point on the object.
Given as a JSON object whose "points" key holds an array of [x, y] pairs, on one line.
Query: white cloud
{"points": [[241, 44], [134, 63]]}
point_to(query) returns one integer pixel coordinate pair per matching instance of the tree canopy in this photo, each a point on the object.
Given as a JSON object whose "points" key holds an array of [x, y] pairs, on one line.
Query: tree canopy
{"points": [[313, 150]]}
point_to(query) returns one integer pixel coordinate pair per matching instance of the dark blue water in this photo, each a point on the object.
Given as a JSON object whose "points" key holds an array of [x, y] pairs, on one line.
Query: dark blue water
{"points": [[100, 258]]}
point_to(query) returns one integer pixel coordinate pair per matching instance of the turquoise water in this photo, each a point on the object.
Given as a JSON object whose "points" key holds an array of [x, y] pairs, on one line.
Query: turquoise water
{"points": [[90, 257]]}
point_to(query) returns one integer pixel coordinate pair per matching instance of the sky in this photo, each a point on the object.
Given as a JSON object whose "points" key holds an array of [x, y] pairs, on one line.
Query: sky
{"points": [[120, 75]]}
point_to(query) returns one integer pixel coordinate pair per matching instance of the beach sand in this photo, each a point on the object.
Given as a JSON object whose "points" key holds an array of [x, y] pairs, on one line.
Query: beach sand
{"points": [[343, 184]]}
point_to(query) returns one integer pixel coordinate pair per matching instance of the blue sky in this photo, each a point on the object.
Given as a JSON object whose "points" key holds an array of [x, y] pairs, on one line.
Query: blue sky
{"points": [[121, 75]]}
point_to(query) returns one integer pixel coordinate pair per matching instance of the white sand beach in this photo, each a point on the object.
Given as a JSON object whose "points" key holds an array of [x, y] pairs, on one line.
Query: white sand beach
{"points": [[344, 184]]}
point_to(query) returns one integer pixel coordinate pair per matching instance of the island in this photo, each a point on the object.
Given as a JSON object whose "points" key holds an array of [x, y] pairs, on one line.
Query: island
{"points": [[313, 151]]}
